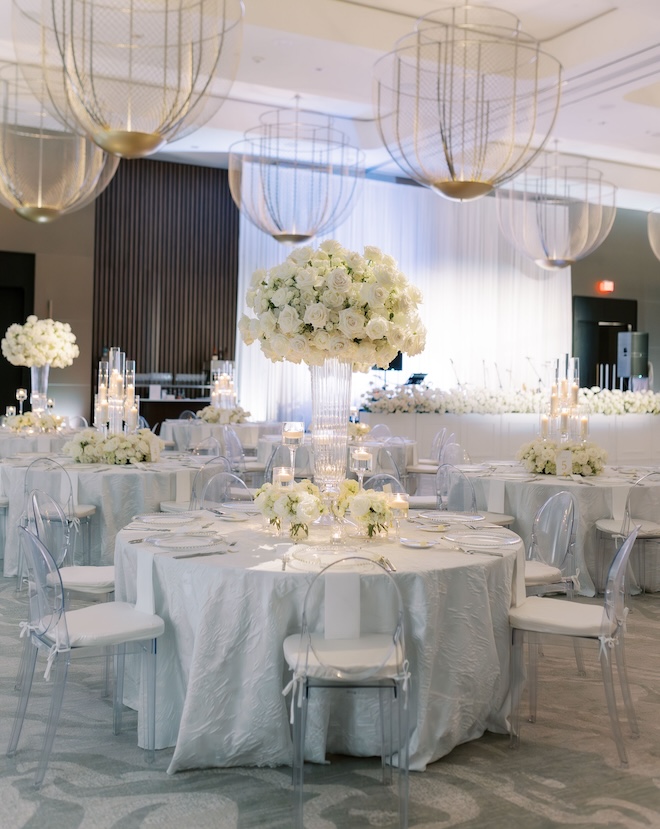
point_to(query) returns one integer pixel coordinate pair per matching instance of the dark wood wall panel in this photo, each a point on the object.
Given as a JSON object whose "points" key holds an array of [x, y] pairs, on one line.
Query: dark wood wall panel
{"points": [[166, 266]]}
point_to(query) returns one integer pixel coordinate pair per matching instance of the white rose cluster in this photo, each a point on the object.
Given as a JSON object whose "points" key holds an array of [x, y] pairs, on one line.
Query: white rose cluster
{"points": [[615, 402], [40, 342], [332, 302], [30, 421], [540, 456], [421, 399], [212, 414], [299, 505], [91, 446]]}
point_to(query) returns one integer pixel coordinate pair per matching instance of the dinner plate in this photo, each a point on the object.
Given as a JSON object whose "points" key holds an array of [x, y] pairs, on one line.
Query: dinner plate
{"points": [[481, 539], [417, 544], [239, 506], [442, 517], [165, 519], [472, 467], [304, 557], [184, 542], [234, 516]]}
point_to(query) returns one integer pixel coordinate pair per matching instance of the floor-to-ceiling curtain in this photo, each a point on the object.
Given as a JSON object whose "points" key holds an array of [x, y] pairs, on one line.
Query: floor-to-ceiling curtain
{"points": [[493, 318]]}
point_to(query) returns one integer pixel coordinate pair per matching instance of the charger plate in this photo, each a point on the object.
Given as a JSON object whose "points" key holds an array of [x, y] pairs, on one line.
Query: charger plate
{"points": [[176, 543], [481, 539], [304, 557], [166, 519], [442, 517]]}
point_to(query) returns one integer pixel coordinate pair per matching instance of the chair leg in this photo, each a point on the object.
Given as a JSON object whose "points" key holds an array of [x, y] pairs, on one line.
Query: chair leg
{"points": [[515, 685], [533, 647], [625, 686], [579, 658], [149, 658], [299, 728], [58, 679], [26, 675], [403, 754], [386, 749], [118, 700], [25, 661], [608, 684]]}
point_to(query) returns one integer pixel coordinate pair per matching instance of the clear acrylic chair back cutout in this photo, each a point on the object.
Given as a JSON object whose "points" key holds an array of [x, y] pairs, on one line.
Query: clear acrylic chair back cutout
{"points": [[225, 488], [203, 476], [454, 490], [554, 531], [52, 526]]}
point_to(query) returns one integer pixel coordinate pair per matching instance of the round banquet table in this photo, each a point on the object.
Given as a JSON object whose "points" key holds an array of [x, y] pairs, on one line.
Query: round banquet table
{"points": [[117, 492], [512, 490], [186, 434], [221, 670], [15, 443], [403, 451]]}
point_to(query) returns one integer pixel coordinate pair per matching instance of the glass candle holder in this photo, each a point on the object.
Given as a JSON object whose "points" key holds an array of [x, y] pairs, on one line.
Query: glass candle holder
{"points": [[10, 411], [399, 503], [283, 475], [293, 434], [21, 396], [361, 463]]}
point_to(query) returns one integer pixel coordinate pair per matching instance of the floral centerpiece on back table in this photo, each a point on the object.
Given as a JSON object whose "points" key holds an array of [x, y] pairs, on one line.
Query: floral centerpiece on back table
{"points": [[29, 421], [91, 446], [213, 414], [541, 456], [39, 343]]}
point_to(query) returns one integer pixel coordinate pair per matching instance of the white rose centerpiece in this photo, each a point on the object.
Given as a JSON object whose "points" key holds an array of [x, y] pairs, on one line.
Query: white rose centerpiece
{"points": [[540, 456], [298, 505], [39, 343], [212, 414], [91, 446], [332, 302]]}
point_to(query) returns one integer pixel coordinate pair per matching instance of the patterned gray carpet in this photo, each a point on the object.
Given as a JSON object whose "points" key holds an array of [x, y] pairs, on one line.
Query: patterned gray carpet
{"points": [[566, 772]]}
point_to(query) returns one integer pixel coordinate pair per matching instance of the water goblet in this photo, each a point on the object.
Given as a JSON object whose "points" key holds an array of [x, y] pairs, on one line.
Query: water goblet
{"points": [[293, 433], [21, 396], [361, 463], [399, 503]]}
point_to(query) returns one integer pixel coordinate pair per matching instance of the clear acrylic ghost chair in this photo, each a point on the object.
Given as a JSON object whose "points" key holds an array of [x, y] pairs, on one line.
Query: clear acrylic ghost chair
{"points": [[343, 643], [454, 490], [226, 491], [539, 616], [550, 561], [387, 464], [380, 432], [453, 453], [210, 468], [143, 423], [617, 530], [384, 483], [437, 443], [210, 446], [281, 456], [187, 414], [87, 631], [250, 471], [78, 422]]}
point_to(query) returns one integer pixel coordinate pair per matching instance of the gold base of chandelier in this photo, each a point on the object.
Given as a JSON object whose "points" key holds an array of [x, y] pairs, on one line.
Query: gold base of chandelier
{"points": [[128, 144], [554, 264], [462, 190], [292, 238], [39, 215]]}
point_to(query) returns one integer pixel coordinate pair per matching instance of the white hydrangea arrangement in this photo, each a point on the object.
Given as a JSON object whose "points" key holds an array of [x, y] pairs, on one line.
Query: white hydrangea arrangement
{"points": [[540, 456], [298, 505], [212, 414], [91, 446], [369, 509], [40, 342], [35, 422], [332, 302], [358, 431]]}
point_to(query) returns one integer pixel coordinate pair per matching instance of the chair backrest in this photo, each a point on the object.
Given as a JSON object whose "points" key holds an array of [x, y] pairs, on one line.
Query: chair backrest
{"points": [[380, 432], [51, 477], [233, 449], [45, 592], [614, 610], [202, 477], [225, 488], [187, 414], [341, 601], [78, 422], [387, 464], [635, 501], [454, 490], [208, 446], [437, 443], [453, 453], [384, 483], [142, 423], [554, 530], [51, 526], [280, 456]]}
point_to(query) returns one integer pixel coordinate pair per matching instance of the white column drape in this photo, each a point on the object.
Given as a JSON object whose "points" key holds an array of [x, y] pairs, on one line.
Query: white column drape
{"points": [[493, 317]]}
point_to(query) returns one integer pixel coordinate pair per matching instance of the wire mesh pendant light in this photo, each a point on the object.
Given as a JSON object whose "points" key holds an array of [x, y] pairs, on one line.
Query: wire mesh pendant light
{"points": [[653, 225], [137, 73], [295, 176], [556, 214], [45, 170], [466, 101]]}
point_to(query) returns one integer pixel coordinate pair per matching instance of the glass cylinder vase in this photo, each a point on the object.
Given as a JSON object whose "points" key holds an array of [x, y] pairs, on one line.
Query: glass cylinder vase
{"points": [[39, 387], [331, 398]]}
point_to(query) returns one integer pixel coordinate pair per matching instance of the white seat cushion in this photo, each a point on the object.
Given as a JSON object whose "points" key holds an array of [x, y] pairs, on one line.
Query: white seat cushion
{"points": [[254, 466], [612, 526], [536, 572], [351, 654], [541, 615], [111, 623], [174, 506], [499, 518], [83, 510], [88, 579], [422, 468]]}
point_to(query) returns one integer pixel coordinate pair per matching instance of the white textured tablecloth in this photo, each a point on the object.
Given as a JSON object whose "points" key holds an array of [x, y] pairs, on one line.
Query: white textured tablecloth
{"points": [[117, 492], [221, 669], [403, 453], [187, 434], [15, 443]]}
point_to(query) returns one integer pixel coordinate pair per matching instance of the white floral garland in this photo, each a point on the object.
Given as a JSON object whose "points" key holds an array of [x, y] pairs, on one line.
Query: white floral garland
{"points": [[540, 456], [212, 414], [40, 342], [91, 446]]}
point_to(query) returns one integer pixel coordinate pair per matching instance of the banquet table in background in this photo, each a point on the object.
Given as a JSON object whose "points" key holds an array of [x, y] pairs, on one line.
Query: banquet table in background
{"points": [[186, 434], [21, 443], [117, 492], [221, 669]]}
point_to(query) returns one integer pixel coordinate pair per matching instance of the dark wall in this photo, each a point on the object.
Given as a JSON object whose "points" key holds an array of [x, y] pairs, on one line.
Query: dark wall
{"points": [[166, 266]]}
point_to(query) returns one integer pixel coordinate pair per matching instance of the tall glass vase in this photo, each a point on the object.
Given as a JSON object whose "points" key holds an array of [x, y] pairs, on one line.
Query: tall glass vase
{"points": [[331, 398], [39, 387]]}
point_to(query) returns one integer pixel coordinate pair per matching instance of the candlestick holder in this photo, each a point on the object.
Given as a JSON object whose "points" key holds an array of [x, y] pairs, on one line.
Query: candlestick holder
{"points": [[361, 463], [293, 433], [399, 503], [21, 396]]}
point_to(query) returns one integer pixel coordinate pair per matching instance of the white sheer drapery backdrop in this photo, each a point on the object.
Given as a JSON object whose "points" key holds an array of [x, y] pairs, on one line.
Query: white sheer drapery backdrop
{"points": [[493, 317]]}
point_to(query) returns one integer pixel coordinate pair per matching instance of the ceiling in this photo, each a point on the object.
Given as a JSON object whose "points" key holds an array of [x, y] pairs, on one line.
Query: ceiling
{"points": [[324, 51]]}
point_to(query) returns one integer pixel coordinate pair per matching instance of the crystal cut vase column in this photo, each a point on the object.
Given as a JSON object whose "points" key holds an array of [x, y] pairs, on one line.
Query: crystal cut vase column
{"points": [[39, 387], [331, 397]]}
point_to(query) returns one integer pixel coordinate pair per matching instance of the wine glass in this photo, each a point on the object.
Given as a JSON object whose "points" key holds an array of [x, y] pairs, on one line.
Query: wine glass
{"points": [[293, 433], [361, 463], [21, 396], [399, 503]]}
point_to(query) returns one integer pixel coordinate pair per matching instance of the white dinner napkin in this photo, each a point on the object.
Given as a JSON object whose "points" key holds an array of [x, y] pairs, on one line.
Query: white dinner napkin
{"points": [[496, 491]]}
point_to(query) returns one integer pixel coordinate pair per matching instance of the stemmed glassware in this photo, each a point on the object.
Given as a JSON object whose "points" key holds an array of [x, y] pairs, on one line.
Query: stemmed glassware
{"points": [[361, 463], [293, 433], [21, 396]]}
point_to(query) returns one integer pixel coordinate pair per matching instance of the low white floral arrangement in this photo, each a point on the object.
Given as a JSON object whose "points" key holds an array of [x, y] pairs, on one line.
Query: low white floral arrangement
{"points": [[332, 302], [298, 505], [358, 431], [422, 400], [91, 446], [212, 414], [541, 456], [36, 422], [369, 509], [40, 342]]}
